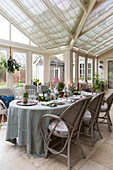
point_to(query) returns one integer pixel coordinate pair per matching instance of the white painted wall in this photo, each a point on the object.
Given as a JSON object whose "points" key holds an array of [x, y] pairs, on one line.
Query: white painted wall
{"points": [[105, 58]]}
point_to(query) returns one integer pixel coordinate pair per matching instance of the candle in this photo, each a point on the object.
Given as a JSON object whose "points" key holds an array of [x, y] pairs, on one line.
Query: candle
{"points": [[37, 87], [50, 84]]}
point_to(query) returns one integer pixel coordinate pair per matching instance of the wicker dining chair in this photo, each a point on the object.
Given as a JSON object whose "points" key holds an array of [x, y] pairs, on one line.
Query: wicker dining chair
{"points": [[105, 109], [3, 113], [66, 126], [43, 88], [90, 119]]}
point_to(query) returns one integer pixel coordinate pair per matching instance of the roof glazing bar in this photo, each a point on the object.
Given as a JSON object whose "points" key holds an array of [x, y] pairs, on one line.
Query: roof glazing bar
{"points": [[49, 6], [33, 20], [98, 21], [85, 16]]}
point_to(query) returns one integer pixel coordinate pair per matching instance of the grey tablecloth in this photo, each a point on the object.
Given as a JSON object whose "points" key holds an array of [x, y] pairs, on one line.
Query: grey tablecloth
{"points": [[23, 124]]}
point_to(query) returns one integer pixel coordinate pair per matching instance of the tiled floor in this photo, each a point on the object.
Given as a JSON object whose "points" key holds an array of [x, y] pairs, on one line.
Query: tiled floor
{"points": [[99, 157]]}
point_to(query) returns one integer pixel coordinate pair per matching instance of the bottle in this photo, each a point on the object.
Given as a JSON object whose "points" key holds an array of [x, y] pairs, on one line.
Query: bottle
{"points": [[25, 96]]}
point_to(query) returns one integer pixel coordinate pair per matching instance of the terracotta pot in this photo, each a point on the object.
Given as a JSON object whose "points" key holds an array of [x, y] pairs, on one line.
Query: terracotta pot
{"points": [[61, 93]]}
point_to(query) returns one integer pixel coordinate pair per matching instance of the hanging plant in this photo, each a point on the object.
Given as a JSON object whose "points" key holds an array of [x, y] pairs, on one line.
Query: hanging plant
{"points": [[11, 65]]}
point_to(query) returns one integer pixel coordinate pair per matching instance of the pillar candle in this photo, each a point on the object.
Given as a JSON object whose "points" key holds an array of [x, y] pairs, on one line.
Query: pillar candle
{"points": [[37, 87], [50, 84]]}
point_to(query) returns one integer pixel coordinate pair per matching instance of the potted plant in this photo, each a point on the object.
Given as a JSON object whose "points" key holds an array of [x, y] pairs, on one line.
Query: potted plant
{"points": [[98, 85], [60, 87]]}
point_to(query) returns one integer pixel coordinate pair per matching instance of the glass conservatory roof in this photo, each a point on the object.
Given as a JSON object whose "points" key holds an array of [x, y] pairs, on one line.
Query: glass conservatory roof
{"points": [[97, 32], [52, 24]]}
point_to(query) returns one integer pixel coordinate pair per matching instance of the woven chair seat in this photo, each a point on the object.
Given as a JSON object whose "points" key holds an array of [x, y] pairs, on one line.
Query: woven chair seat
{"points": [[60, 129], [103, 108]]}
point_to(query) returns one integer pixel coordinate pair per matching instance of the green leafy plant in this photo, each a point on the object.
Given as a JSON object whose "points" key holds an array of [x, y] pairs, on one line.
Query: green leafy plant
{"points": [[98, 85], [60, 86], [11, 65], [35, 82], [72, 88]]}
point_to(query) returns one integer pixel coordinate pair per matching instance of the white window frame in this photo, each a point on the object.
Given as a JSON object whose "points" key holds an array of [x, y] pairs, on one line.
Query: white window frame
{"points": [[58, 72]]}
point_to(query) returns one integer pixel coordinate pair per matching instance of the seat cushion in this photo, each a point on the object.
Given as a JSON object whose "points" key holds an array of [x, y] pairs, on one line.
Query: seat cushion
{"points": [[103, 108], [87, 117], [7, 99], [60, 129]]}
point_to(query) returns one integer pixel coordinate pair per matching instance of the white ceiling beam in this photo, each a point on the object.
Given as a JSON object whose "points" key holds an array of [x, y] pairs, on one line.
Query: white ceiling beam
{"points": [[82, 5], [4, 13], [104, 50], [102, 43], [97, 36], [97, 21], [49, 6], [79, 28], [25, 11], [98, 4], [24, 47]]}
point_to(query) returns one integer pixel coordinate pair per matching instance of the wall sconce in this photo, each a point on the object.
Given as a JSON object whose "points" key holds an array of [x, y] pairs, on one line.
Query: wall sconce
{"points": [[101, 62], [101, 66]]}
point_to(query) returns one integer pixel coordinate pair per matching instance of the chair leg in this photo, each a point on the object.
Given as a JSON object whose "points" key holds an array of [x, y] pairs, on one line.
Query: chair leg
{"points": [[46, 152], [108, 120], [81, 149], [99, 131], [92, 136], [68, 155]]}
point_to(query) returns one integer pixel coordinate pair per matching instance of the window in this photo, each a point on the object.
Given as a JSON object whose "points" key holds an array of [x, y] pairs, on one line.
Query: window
{"points": [[3, 56], [38, 67], [81, 69], [19, 77], [4, 28], [95, 65], [57, 67], [18, 36], [57, 72], [89, 70], [74, 66]]}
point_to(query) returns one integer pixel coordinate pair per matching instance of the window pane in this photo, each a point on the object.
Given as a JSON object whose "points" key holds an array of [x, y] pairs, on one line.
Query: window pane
{"points": [[57, 62], [3, 56], [19, 77], [81, 69], [89, 70], [4, 28], [18, 36], [38, 67], [74, 66]]}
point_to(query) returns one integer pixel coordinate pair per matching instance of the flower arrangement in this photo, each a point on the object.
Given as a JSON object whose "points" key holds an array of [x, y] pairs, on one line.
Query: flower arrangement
{"points": [[72, 87]]}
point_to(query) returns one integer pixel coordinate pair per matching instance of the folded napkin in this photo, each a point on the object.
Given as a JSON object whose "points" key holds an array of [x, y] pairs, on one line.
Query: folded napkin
{"points": [[50, 104]]}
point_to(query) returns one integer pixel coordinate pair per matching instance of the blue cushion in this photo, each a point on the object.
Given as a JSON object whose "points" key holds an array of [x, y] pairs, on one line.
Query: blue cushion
{"points": [[7, 99]]}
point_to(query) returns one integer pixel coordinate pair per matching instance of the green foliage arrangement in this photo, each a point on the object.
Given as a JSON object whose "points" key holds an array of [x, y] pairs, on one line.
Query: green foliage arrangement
{"points": [[72, 88], [60, 86], [98, 85], [35, 82], [11, 65]]}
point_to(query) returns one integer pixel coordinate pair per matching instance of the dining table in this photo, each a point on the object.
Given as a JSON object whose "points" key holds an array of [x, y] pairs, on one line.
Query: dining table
{"points": [[23, 124]]}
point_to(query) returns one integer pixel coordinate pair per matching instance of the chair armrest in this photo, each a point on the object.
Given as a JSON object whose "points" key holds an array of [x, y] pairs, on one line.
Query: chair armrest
{"points": [[51, 116], [2, 103], [4, 106]]}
